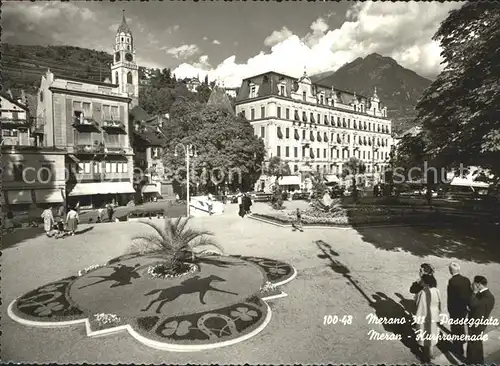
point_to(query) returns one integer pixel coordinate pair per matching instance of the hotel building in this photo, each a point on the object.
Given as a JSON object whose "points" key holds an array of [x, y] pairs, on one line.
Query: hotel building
{"points": [[314, 126]]}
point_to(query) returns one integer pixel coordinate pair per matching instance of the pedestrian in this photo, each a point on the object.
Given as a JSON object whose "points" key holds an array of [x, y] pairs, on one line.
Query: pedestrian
{"points": [[427, 315], [60, 211], [100, 211], [241, 211], [77, 207], [459, 294], [48, 221], [298, 221], [110, 209], [9, 224], [61, 233], [247, 203], [177, 198], [417, 286], [72, 220], [480, 307]]}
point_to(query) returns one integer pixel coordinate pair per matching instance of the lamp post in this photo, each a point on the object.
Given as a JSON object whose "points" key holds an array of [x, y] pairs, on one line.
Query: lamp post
{"points": [[188, 151], [374, 150]]}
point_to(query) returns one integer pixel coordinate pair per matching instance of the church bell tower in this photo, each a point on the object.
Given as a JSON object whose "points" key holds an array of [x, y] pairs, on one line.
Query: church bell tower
{"points": [[124, 70]]}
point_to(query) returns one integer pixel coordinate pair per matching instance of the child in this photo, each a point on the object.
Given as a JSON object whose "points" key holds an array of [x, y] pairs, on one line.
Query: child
{"points": [[298, 222], [60, 229]]}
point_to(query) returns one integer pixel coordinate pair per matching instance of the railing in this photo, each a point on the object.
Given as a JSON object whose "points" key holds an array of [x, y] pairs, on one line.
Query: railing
{"points": [[13, 121], [98, 177], [113, 124], [84, 122], [90, 149]]}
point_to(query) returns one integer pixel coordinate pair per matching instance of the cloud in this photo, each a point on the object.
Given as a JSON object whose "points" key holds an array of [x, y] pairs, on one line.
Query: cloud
{"points": [[172, 29], [278, 36], [402, 31], [184, 51], [215, 41], [205, 38]]}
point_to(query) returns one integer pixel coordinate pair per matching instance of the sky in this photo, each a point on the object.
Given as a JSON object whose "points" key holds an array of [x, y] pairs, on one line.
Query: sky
{"points": [[229, 41]]}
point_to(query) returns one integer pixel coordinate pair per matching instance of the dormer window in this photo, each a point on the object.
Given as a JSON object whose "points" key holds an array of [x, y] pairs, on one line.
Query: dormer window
{"points": [[282, 90], [304, 96], [253, 91]]}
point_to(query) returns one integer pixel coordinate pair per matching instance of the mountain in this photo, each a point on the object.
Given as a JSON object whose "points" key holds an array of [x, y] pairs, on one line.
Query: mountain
{"points": [[397, 87], [23, 65]]}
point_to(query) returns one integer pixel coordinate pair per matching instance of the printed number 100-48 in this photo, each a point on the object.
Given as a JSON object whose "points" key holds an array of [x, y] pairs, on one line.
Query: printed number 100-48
{"points": [[334, 319]]}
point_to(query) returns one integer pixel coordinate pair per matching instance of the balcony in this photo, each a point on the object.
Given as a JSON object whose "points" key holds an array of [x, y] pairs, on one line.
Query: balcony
{"points": [[112, 124], [98, 177], [13, 122], [85, 123], [90, 149]]}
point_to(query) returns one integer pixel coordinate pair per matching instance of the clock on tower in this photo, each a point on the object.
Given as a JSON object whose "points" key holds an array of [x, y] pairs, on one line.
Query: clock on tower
{"points": [[129, 57]]}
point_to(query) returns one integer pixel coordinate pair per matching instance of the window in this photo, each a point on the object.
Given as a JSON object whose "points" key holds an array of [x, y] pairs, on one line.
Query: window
{"points": [[324, 153], [86, 109], [303, 151], [262, 112], [114, 112], [364, 157], [113, 167], [252, 114], [252, 92], [304, 96], [41, 96], [303, 134], [112, 140], [18, 172], [319, 118], [287, 133], [125, 167], [86, 168], [368, 155], [369, 126], [117, 81], [278, 150], [282, 90], [129, 78], [295, 168], [311, 117], [262, 131], [278, 112], [320, 99], [317, 153], [295, 152], [287, 113], [304, 117], [154, 153], [106, 112], [338, 122], [77, 106], [287, 151], [243, 113], [317, 167]]}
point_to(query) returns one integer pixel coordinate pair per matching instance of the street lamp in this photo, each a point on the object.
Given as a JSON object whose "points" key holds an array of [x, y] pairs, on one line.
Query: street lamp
{"points": [[188, 152], [374, 150]]}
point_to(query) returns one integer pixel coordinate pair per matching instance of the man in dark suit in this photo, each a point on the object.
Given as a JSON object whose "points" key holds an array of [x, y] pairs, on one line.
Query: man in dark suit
{"points": [[459, 293], [480, 307]]}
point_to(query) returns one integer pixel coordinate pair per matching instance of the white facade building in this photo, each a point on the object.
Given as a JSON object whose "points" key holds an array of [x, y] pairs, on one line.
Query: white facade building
{"points": [[313, 126]]}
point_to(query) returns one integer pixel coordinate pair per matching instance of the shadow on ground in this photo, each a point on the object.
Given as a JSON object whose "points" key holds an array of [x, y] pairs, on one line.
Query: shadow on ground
{"points": [[20, 235], [472, 242], [383, 305], [424, 231]]}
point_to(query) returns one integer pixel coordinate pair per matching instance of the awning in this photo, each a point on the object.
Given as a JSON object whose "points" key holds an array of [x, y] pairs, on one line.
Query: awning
{"points": [[84, 189], [289, 180], [74, 158], [19, 196], [49, 196], [457, 181], [150, 188], [332, 178]]}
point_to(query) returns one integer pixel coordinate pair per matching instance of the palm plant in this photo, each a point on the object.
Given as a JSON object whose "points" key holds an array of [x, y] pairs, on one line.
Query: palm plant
{"points": [[176, 242]]}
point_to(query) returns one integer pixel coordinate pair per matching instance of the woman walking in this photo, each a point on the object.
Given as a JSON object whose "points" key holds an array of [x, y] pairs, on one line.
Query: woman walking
{"points": [[427, 316], [72, 221], [48, 221]]}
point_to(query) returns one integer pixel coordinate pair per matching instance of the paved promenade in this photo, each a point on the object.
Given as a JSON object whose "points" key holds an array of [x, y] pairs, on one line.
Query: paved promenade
{"points": [[340, 272]]}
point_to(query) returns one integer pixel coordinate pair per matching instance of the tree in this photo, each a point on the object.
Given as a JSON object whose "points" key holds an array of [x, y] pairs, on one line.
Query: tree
{"points": [[159, 100], [277, 168], [353, 168], [175, 242], [228, 152], [459, 111]]}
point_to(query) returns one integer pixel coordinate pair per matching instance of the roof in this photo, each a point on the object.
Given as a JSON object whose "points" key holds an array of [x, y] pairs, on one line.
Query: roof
{"points": [[413, 131], [151, 137], [14, 101], [219, 98], [88, 81], [124, 26]]}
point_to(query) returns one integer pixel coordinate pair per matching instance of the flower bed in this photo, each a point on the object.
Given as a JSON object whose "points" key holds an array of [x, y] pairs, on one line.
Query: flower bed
{"points": [[90, 269], [103, 321], [162, 270]]}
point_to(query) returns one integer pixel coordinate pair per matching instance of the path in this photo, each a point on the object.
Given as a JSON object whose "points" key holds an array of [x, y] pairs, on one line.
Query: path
{"points": [[334, 276]]}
